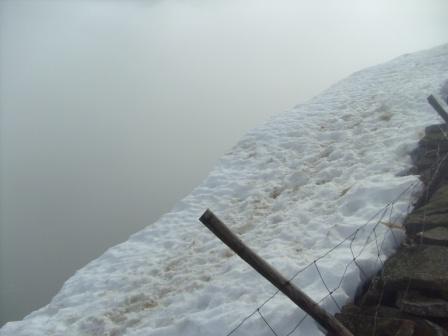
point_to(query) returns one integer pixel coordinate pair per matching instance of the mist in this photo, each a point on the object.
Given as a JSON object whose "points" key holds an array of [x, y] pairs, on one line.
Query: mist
{"points": [[112, 111]]}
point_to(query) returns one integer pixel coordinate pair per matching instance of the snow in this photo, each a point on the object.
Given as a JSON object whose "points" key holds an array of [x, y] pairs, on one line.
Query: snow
{"points": [[293, 189]]}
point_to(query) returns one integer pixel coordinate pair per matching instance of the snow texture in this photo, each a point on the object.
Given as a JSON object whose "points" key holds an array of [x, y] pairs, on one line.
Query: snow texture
{"points": [[292, 189]]}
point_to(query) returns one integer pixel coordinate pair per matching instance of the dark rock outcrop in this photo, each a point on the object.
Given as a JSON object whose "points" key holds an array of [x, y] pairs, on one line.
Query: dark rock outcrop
{"points": [[421, 267], [430, 148], [415, 303], [436, 236], [386, 321], [433, 214], [409, 297]]}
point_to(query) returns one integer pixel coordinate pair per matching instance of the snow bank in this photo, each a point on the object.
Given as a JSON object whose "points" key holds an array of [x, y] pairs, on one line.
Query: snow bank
{"points": [[293, 189]]}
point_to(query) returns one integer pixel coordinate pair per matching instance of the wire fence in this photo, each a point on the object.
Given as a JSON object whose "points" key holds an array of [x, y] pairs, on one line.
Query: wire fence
{"points": [[436, 174], [380, 236]]}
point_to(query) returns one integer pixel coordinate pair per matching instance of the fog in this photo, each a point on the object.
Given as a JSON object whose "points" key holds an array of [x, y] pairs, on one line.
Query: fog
{"points": [[111, 111]]}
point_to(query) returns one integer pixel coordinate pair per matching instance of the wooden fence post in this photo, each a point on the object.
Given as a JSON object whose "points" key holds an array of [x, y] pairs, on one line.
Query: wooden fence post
{"points": [[302, 300], [438, 107]]}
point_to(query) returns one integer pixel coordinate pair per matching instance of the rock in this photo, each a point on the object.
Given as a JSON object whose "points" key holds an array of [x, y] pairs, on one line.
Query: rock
{"points": [[407, 328], [436, 236], [433, 214], [420, 222], [374, 294], [416, 303], [438, 330], [433, 145], [423, 158], [371, 297], [436, 137], [436, 129], [361, 321], [423, 268], [386, 321]]}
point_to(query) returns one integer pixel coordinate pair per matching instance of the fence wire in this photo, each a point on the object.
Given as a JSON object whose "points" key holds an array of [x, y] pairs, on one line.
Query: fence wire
{"points": [[435, 178], [375, 232]]}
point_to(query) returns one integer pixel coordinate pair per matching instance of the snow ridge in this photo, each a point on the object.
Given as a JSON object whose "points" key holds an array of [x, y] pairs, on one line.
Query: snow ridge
{"points": [[292, 189]]}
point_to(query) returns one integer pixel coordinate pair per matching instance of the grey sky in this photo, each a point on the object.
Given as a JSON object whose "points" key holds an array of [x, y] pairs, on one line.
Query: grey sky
{"points": [[111, 111]]}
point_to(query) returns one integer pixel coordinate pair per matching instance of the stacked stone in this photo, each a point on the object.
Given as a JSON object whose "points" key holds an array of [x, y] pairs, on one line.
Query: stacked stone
{"points": [[409, 297]]}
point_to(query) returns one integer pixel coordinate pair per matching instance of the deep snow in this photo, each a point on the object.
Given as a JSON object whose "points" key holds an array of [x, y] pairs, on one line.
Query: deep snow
{"points": [[292, 189]]}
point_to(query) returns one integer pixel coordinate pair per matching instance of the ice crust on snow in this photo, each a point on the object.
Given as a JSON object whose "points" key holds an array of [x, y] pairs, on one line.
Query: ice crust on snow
{"points": [[292, 189]]}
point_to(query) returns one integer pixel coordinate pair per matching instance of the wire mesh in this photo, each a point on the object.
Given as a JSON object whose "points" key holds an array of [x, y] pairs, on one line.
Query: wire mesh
{"points": [[375, 232]]}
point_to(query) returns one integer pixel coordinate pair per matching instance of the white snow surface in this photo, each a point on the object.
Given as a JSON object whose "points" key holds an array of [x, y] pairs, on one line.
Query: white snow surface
{"points": [[292, 189]]}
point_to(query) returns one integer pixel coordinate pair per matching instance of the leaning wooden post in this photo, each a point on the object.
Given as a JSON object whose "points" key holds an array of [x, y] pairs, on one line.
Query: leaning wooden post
{"points": [[438, 107], [327, 321]]}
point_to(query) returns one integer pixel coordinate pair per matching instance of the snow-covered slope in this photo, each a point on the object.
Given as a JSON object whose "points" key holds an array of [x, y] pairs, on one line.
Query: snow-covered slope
{"points": [[292, 189]]}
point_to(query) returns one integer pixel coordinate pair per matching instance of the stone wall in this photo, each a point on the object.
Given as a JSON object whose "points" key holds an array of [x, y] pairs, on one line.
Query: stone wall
{"points": [[409, 296]]}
